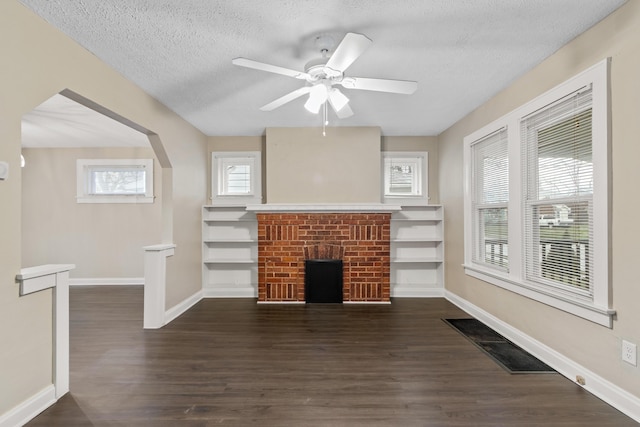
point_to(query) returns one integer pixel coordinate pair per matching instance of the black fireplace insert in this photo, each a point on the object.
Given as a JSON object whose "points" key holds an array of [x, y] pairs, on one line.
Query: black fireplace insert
{"points": [[323, 280]]}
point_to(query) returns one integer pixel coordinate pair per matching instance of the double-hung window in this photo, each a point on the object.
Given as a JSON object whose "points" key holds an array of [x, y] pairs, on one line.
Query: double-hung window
{"points": [[537, 202], [490, 200]]}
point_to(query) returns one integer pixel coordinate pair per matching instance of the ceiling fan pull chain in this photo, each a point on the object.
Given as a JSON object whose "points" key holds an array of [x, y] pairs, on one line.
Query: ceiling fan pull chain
{"points": [[325, 122]]}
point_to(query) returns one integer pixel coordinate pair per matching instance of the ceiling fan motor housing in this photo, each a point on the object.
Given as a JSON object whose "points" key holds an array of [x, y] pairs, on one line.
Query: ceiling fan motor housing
{"points": [[317, 69]]}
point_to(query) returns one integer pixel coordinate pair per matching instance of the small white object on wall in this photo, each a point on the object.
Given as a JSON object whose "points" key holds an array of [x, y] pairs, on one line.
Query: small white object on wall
{"points": [[4, 171]]}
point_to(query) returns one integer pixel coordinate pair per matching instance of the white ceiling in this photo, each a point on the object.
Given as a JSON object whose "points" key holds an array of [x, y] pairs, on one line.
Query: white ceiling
{"points": [[461, 53]]}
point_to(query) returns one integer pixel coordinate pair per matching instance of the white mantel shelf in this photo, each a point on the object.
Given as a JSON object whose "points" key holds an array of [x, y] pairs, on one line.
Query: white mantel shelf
{"points": [[327, 208]]}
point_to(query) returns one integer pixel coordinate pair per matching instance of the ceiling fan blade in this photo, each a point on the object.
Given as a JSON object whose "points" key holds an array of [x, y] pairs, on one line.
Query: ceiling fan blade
{"points": [[344, 112], [250, 63], [286, 98], [349, 49], [340, 103], [405, 87]]}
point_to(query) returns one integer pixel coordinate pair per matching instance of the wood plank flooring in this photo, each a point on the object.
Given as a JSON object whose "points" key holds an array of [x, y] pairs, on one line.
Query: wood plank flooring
{"points": [[234, 362]]}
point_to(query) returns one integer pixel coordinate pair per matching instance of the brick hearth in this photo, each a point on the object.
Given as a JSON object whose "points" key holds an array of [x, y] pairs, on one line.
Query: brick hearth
{"points": [[361, 240]]}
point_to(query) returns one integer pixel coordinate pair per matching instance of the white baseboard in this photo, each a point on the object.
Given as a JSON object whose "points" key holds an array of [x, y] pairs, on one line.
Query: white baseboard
{"points": [[399, 291], [615, 396], [30, 408], [180, 308], [109, 281], [231, 292]]}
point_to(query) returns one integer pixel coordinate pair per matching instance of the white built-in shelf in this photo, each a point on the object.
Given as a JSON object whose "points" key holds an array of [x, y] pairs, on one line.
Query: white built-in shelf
{"points": [[229, 261], [417, 252], [229, 220], [229, 241], [416, 260], [416, 239], [229, 251]]}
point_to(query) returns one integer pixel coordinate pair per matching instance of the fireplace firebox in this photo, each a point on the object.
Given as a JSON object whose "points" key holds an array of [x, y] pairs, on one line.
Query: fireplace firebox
{"points": [[323, 281]]}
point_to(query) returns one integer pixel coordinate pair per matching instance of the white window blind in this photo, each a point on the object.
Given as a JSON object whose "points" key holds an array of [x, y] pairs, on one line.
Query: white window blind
{"points": [[405, 177], [402, 176], [490, 196], [558, 180], [236, 178]]}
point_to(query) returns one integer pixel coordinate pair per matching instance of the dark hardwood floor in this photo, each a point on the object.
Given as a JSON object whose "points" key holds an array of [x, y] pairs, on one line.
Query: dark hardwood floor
{"points": [[233, 362]]}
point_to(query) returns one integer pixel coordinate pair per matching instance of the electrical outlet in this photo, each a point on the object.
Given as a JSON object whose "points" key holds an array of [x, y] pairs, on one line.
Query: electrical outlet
{"points": [[629, 354]]}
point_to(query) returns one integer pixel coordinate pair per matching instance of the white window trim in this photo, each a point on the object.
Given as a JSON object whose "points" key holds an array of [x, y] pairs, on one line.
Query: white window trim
{"points": [[255, 194], [82, 181], [423, 163], [598, 309]]}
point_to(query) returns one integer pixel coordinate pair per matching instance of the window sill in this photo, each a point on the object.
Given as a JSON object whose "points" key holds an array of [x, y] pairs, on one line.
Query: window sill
{"points": [[219, 200], [600, 315], [115, 199], [406, 201]]}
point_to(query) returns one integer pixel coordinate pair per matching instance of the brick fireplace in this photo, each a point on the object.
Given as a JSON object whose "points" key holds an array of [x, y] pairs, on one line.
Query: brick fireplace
{"points": [[287, 238]]}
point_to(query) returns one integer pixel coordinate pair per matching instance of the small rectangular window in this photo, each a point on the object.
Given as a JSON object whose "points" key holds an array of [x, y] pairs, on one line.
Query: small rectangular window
{"points": [[235, 178], [115, 181], [405, 177]]}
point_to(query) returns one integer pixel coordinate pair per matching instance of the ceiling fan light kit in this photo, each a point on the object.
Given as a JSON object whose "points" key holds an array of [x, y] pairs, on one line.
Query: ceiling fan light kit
{"points": [[323, 73]]}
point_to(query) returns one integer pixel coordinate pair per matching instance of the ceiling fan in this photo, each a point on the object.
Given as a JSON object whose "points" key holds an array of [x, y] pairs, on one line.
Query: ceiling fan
{"points": [[324, 73]]}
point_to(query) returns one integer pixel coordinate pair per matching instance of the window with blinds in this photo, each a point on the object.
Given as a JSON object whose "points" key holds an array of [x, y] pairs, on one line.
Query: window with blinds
{"points": [[236, 178], [490, 195], [558, 180], [404, 177], [545, 166]]}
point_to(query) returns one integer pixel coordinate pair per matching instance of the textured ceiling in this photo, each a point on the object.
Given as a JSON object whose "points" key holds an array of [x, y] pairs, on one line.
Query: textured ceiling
{"points": [[461, 53]]}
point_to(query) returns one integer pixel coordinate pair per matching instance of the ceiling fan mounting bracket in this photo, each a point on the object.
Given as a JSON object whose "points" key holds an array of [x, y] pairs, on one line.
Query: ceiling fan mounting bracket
{"points": [[325, 43]]}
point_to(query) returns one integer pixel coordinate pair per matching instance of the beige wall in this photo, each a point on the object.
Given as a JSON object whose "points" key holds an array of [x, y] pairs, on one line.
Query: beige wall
{"points": [[37, 62], [103, 240], [388, 143], [419, 143], [595, 347], [303, 166]]}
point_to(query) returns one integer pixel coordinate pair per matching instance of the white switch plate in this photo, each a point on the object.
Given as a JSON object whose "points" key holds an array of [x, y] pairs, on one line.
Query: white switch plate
{"points": [[629, 354], [4, 170]]}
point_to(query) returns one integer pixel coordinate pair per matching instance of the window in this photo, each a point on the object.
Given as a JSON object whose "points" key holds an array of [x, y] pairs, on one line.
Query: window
{"points": [[405, 177], [558, 192], [114, 180], [490, 200], [235, 178], [536, 199]]}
